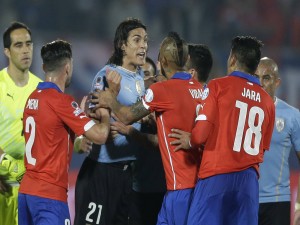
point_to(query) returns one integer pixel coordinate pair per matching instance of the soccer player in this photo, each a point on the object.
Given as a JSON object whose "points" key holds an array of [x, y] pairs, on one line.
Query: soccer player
{"points": [[106, 172], [174, 102], [199, 66], [274, 181], [16, 84], [51, 119], [235, 122], [149, 184]]}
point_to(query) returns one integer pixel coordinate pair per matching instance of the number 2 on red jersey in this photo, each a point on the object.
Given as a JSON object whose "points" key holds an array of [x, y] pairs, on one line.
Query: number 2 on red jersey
{"points": [[30, 123]]}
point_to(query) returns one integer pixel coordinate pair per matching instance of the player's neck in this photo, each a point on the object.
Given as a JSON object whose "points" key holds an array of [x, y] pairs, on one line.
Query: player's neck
{"points": [[19, 77], [130, 67], [56, 80]]}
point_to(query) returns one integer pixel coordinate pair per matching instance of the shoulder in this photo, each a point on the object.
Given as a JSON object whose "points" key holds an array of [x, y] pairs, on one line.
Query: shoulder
{"points": [[34, 77], [290, 110], [33, 80], [3, 73]]}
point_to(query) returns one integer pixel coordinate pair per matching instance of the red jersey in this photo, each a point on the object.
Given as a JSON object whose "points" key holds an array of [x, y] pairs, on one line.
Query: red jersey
{"points": [[50, 120], [242, 114], [174, 102]]}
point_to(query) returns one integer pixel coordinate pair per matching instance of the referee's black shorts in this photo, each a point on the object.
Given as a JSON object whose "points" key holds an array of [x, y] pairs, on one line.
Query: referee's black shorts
{"points": [[102, 193], [274, 213]]}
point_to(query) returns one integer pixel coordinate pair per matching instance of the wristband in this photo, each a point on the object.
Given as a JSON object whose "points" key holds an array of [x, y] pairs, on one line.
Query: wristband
{"points": [[1, 157], [297, 206]]}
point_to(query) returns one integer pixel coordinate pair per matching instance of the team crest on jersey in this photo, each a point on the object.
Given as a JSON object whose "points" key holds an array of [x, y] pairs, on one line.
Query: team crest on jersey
{"points": [[149, 95], [138, 86], [77, 110], [205, 93], [279, 123]]}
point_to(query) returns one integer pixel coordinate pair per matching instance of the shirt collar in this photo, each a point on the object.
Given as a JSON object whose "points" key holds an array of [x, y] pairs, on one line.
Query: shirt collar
{"points": [[247, 76], [182, 76], [46, 85]]}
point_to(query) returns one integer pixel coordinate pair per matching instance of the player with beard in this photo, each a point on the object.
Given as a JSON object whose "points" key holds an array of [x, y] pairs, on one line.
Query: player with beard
{"points": [[174, 102], [235, 122], [51, 119]]}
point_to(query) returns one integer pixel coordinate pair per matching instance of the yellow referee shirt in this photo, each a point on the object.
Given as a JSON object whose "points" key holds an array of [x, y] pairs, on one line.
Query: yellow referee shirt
{"points": [[12, 103]]}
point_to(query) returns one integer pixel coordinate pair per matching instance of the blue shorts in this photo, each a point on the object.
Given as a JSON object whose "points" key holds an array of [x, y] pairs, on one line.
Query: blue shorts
{"points": [[175, 207], [35, 210], [226, 199]]}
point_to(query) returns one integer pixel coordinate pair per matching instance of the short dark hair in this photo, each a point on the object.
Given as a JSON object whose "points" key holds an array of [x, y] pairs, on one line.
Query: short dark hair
{"points": [[201, 60], [55, 54], [247, 51], [10, 29], [151, 62], [175, 49], [121, 37]]}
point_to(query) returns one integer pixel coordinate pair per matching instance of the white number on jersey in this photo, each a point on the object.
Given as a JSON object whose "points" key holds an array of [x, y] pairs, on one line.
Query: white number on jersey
{"points": [[30, 123], [92, 207], [252, 131]]}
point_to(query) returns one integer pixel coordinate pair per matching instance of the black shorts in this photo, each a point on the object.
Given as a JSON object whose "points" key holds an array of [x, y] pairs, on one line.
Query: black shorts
{"points": [[145, 208], [274, 213], [102, 193]]}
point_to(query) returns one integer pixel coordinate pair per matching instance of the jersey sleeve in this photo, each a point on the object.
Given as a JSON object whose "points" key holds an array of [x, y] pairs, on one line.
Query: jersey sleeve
{"points": [[208, 105], [156, 98], [71, 114], [295, 135], [99, 82], [269, 131]]}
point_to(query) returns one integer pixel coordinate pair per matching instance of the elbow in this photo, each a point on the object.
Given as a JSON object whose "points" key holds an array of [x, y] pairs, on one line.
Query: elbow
{"points": [[101, 137], [196, 141], [98, 134]]}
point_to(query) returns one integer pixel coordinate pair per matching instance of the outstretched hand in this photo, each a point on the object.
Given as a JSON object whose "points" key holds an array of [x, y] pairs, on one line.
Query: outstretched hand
{"points": [[182, 139]]}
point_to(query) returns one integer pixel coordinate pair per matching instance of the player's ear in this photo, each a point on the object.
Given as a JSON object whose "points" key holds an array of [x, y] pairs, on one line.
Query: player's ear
{"points": [[232, 60], [43, 67], [163, 62], [7, 52], [68, 68], [277, 82], [123, 48], [193, 72]]}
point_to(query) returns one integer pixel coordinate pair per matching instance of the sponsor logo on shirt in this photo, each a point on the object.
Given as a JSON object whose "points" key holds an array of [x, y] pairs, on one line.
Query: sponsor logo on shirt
{"points": [[199, 107]]}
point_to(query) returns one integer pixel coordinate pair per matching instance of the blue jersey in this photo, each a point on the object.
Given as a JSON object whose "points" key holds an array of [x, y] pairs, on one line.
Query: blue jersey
{"points": [[132, 89], [274, 182]]}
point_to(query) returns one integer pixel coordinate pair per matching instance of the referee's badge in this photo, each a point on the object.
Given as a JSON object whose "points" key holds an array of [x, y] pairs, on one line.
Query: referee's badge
{"points": [[279, 123]]}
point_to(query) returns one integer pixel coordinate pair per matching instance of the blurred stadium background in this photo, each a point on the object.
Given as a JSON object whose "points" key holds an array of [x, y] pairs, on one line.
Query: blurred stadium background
{"points": [[90, 24]]}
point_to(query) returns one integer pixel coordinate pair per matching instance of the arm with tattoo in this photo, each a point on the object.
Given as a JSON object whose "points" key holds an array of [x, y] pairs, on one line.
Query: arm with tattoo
{"points": [[126, 114]]}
